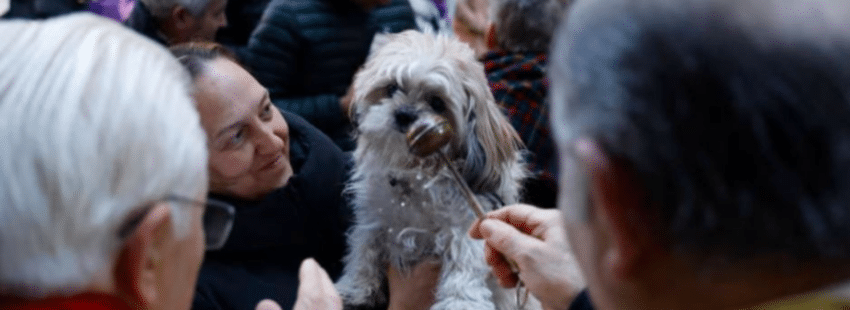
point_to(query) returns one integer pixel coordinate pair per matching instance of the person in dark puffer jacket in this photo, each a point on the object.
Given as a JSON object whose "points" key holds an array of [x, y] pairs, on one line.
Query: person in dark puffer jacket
{"points": [[518, 38], [307, 51], [242, 19]]}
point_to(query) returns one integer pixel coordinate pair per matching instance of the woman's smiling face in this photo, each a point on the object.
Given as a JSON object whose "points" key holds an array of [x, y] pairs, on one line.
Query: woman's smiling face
{"points": [[247, 136]]}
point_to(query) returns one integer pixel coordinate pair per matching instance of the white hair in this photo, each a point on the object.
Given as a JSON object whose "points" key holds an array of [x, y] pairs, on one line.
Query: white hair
{"points": [[4, 7], [162, 8], [97, 123]]}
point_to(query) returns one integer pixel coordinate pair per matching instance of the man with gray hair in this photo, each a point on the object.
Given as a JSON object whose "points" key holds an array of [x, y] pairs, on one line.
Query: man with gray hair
{"points": [[171, 22], [705, 159], [518, 41], [102, 170], [103, 173]]}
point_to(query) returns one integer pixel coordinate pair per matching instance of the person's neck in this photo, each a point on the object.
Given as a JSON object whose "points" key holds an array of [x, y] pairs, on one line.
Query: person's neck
{"points": [[169, 33]]}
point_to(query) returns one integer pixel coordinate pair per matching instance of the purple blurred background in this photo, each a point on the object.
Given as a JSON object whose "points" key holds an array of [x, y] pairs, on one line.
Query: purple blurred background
{"points": [[115, 9]]}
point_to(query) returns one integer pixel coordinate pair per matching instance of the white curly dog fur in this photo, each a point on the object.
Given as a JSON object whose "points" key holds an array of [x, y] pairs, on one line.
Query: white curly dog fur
{"points": [[409, 209]]}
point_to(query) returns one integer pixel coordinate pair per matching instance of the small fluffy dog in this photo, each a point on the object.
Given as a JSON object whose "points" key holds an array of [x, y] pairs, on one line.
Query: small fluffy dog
{"points": [[409, 209]]}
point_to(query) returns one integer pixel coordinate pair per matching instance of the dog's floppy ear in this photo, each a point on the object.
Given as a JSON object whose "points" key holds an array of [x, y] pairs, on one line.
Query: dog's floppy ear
{"points": [[492, 143], [355, 110], [369, 74]]}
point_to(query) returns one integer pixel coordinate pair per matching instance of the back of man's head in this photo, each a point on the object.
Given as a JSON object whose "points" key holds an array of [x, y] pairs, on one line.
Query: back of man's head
{"points": [[734, 116], [526, 25], [96, 123]]}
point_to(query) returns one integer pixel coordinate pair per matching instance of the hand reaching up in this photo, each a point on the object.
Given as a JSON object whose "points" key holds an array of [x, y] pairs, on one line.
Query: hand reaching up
{"points": [[315, 291]]}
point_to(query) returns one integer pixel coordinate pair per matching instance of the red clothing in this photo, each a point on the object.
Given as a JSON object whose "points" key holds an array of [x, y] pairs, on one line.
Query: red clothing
{"points": [[86, 301]]}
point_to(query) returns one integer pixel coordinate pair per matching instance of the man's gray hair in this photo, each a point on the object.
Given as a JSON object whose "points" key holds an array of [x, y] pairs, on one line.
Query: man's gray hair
{"points": [[733, 115], [526, 25], [162, 8], [97, 123]]}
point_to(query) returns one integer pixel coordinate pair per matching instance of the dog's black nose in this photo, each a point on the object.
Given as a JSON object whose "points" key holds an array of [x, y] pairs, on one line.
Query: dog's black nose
{"points": [[404, 116]]}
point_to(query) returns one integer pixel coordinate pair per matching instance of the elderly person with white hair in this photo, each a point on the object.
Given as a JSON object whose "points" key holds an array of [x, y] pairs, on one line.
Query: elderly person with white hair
{"points": [[177, 21], [102, 172]]}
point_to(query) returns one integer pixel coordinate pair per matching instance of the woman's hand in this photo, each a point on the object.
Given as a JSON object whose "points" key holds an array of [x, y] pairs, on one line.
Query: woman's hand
{"points": [[407, 292], [315, 291], [415, 290], [536, 240]]}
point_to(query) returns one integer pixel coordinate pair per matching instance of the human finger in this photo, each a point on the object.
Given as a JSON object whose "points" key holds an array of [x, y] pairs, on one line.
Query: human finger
{"points": [[315, 290], [529, 219], [268, 304], [508, 241], [525, 218], [500, 268], [518, 215]]}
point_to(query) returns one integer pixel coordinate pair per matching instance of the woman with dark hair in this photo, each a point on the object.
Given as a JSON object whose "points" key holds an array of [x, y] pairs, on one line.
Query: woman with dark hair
{"points": [[283, 176], [285, 179]]}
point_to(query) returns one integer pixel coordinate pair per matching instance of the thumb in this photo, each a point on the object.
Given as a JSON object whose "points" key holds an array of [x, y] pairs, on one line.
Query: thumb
{"points": [[506, 239], [309, 269], [316, 290], [267, 304], [314, 277]]}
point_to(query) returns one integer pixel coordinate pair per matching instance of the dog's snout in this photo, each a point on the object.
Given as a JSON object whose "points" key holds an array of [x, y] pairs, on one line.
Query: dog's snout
{"points": [[404, 116]]}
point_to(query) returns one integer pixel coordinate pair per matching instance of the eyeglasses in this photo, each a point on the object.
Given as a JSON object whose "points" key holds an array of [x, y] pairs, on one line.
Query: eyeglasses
{"points": [[218, 220]]}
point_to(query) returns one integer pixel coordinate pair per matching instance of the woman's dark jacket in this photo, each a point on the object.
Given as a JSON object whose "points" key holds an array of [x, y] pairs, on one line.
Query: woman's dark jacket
{"points": [[307, 51], [306, 218], [242, 18]]}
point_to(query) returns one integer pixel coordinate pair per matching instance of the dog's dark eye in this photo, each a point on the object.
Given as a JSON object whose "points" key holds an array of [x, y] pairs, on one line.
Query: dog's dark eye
{"points": [[437, 104], [391, 89]]}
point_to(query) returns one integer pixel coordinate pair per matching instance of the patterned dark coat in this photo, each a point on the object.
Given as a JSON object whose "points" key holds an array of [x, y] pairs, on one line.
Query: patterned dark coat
{"points": [[518, 82]]}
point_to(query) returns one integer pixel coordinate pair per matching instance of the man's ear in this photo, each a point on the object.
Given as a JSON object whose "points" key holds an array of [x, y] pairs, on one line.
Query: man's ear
{"points": [[616, 200], [140, 262], [492, 40], [182, 18]]}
